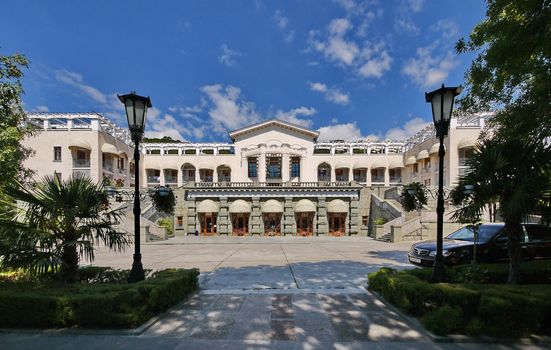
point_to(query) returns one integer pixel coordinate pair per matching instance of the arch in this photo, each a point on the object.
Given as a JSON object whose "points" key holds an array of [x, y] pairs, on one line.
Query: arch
{"points": [[466, 143], [208, 206], [80, 144], [272, 206], [224, 173], [396, 164], [239, 206], [378, 164], [324, 172], [305, 206], [423, 154], [109, 148], [337, 206], [188, 172], [411, 160]]}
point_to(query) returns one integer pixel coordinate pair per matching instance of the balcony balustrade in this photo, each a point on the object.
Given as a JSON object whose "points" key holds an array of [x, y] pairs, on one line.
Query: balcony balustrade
{"points": [[108, 167], [81, 163], [153, 179], [81, 173], [396, 179], [171, 179], [378, 179]]}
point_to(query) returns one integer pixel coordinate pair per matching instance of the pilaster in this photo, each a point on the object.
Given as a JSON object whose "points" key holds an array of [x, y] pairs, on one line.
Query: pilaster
{"points": [[223, 227], [255, 223], [289, 224], [322, 224]]}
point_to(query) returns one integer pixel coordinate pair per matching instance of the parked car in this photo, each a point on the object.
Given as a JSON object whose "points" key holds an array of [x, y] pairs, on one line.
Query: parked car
{"points": [[491, 245]]}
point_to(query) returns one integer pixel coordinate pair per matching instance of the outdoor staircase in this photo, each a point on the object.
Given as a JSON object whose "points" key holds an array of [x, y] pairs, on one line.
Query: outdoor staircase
{"points": [[384, 238], [150, 231]]}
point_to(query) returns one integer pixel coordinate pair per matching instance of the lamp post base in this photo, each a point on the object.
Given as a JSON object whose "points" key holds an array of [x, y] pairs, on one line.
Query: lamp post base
{"points": [[438, 273], [136, 274]]}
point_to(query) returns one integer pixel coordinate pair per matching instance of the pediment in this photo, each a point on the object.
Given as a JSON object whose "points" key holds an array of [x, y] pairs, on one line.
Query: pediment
{"points": [[274, 124]]}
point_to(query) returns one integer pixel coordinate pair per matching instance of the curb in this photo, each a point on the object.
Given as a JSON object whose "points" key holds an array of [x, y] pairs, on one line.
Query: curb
{"points": [[78, 331], [460, 338]]}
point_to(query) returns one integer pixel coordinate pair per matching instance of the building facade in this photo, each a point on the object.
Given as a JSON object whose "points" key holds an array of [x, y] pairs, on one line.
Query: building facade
{"points": [[274, 178]]}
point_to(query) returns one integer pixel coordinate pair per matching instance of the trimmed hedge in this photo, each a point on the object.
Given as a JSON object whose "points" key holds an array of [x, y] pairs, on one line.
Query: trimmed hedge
{"points": [[466, 308], [106, 305]]}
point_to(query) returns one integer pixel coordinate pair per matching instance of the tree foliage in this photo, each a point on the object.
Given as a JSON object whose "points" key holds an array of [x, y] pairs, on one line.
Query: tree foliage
{"points": [[12, 121], [514, 173], [511, 72], [56, 226], [413, 196]]}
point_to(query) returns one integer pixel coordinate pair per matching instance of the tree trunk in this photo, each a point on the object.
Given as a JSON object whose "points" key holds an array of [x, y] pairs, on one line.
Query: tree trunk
{"points": [[69, 264], [514, 233]]}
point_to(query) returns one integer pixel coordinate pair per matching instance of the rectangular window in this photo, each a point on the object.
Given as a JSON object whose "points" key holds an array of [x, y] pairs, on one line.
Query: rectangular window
{"points": [[179, 221], [57, 154], [57, 176], [364, 220], [273, 167], [295, 167], [252, 167]]}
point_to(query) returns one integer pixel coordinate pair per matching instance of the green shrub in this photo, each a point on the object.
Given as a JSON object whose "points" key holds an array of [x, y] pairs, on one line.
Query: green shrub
{"points": [[380, 221], [445, 320], [107, 305], [470, 308], [168, 223]]}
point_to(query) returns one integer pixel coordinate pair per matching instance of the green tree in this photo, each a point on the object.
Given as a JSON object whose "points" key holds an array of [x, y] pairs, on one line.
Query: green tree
{"points": [[12, 122], [414, 196], [56, 226], [514, 173], [511, 72]]}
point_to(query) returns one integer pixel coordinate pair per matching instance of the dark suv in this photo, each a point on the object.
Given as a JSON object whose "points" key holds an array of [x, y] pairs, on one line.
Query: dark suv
{"points": [[491, 245]]}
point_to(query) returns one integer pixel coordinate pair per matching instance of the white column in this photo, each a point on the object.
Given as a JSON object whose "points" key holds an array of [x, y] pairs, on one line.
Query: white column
{"points": [[285, 174], [215, 175], [350, 174], [261, 171], [197, 177], [387, 177], [162, 177], [179, 177]]}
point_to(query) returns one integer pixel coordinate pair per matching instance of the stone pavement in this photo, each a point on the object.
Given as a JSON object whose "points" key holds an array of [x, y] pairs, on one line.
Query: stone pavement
{"points": [[265, 293]]}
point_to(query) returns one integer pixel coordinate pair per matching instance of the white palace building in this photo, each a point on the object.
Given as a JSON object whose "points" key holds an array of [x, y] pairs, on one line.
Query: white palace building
{"points": [[274, 178]]}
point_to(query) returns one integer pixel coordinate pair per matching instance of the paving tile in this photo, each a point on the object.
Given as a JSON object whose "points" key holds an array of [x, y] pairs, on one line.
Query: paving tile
{"points": [[283, 330]]}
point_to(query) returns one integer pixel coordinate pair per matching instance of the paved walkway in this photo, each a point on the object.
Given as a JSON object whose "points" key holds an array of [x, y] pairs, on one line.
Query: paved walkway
{"points": [[264, 293]]}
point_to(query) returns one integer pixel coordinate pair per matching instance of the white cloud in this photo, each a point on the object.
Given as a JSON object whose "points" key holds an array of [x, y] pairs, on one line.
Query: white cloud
{"points": [[370, 60], [228, 56], [163, 124], [282, 23], [446, 27], [75, 80], [348, 131], [415, 5], [377, 62], [427, 70], [280, 20], [292, 116], [405, 24], [41, 109], [333, 94], [409, 129], [226, 111]]}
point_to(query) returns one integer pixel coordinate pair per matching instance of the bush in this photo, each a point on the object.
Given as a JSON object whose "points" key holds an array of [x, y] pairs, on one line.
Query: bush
{"points": [[488, 309], [168, 223], [106, 305], [380, 221]]}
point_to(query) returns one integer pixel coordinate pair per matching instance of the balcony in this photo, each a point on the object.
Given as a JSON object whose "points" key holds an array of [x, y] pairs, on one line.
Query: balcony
{"points": [[360, 178], [107, 166], [153, 179], [81, 163], [81, 173], [378, 179], [171, 180], [396, 179]]}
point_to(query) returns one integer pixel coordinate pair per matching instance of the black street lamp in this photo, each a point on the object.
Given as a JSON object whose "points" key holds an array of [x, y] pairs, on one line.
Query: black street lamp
{"points": [[136, 111], [442, 106]]}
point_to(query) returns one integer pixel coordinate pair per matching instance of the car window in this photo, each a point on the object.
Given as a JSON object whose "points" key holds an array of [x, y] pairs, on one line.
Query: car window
{"points": [[538, 233], [485, 233]]}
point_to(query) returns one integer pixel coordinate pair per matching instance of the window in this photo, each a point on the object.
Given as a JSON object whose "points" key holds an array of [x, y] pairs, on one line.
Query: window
{"points": [[295, 167], [57, 154], [252, 167], [57, 176], [273, 167], [427, 163], [364, 220], [179, 221]]}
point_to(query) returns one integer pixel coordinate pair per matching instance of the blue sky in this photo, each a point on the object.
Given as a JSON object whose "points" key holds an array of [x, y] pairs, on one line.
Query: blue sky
{"points": [[349, 68]]}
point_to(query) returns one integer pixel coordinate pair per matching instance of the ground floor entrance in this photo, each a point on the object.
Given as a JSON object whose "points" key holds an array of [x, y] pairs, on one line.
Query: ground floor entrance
{"points": [[208, 224], [272, 224], [337, 224], [240, 224], [305, 223]]}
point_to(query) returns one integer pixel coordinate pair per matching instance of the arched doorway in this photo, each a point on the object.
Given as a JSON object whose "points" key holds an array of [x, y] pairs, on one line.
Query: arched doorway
{"points": [[207, 212], [272, 210], [188, 172], [240, 211], [305, 211], [324, 172], [337, 211]]}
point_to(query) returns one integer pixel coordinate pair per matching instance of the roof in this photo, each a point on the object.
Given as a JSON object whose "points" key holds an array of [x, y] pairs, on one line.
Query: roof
{"points": [[266, 123]]}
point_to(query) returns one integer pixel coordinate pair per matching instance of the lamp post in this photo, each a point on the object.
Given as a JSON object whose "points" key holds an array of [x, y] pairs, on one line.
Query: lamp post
{"points": [[442, 106], [136, 111]]}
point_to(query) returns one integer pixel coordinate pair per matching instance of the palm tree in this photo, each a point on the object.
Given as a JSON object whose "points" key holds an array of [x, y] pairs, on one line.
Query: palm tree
{"points": [[514, 173], [56, 224]]}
